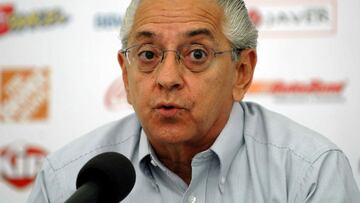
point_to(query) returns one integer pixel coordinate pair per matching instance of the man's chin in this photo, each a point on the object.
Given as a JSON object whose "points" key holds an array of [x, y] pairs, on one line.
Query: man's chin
{"points": [[170, 136]]}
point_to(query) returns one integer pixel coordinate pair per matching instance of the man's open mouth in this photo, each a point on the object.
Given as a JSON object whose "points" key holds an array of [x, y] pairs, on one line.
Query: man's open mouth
{"points": [[168, 110]]}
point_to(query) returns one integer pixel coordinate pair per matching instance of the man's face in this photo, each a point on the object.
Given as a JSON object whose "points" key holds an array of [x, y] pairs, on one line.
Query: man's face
{"points": [[174, 104]]}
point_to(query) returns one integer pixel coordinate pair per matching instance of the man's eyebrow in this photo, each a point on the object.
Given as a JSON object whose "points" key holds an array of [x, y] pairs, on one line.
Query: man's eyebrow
{"points": [[145, 34], [202, 31]]}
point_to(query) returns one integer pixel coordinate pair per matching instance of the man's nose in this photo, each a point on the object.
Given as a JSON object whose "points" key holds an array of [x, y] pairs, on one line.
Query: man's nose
{"points": [[169, 74]]}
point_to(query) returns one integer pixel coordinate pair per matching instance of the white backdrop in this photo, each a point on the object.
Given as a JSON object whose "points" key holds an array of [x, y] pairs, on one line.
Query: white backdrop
{"points": [[59, 76]]}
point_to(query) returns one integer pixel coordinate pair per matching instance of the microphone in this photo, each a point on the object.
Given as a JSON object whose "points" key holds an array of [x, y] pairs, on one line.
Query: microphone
{"points": [[106, 178]]}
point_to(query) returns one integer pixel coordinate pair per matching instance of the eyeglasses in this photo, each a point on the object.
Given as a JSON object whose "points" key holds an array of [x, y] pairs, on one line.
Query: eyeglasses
{"points": [[195, 57]]}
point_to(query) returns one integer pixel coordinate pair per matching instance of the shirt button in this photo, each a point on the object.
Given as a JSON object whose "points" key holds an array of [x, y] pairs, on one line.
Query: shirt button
{"points": [[153, 162], [155, 186], [192, 199], [222, 181]]}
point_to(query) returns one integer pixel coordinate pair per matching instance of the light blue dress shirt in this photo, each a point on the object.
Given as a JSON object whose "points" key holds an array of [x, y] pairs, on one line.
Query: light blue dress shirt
{"points": [[260, 156]]}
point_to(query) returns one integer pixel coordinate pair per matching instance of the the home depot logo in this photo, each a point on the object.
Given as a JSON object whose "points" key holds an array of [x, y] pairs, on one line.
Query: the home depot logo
{"points": [[24, 94], [19, 164], [314, 90], [11, 21], [294, 18]]}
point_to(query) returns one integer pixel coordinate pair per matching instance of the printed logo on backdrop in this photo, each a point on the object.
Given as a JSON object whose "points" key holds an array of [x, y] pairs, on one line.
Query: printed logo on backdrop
{"points": [[24, 94], [19, 164], [294, 18], [299, 91], [115, 96], [13, 21], [108, 21]]}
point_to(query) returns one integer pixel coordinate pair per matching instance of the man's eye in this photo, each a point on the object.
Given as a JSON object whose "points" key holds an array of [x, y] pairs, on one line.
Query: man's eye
{"points": [[146, 55], [198, 55]]}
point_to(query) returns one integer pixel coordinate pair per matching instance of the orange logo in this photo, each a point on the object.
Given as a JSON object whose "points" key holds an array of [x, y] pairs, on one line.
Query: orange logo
{"points": [[24, 94]]}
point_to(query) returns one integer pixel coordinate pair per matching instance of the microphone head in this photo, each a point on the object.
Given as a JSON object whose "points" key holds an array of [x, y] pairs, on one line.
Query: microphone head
{"points": [[112, 172]]}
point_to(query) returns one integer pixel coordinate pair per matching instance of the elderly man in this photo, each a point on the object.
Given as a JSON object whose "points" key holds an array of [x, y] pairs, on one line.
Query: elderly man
{"points": [[186, 66]]}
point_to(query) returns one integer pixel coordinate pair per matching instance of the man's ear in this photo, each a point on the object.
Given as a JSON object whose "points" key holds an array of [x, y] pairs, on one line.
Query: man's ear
{"points": [[245, 67], [122, 62]]}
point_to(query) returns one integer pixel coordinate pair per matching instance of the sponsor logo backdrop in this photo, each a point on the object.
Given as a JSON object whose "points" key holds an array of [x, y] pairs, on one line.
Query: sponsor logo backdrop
{"points": [[59, 76]]}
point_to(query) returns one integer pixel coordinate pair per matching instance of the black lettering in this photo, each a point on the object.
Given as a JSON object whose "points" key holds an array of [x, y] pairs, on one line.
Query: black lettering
{"points": [[297, 18], [317, 16], [108, 21], [283, 18]]}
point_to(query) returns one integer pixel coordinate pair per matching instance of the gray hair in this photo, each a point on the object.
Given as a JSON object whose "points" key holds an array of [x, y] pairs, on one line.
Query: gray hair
{"points": [[238, 28]]}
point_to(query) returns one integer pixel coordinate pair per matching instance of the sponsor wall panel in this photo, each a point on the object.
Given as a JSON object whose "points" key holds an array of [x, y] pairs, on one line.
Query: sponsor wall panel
{"points": [[75, 53], [309, 75], [283, 18], [63, 65]]}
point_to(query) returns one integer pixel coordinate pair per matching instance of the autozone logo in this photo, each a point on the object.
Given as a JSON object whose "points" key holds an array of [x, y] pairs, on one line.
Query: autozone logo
{"points": [[11, 21], [291, 18], [315, 90], [281, 87], [19, 164], [24, 94]]}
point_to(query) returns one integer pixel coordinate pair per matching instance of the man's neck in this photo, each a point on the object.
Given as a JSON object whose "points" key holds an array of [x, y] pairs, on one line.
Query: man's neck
{"points": [[178, 158]]}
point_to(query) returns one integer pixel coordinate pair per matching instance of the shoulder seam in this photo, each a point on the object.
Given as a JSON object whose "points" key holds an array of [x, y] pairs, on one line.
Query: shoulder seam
{"points": [[301, 178], [315, 155], [280, 147], [84, 154]]}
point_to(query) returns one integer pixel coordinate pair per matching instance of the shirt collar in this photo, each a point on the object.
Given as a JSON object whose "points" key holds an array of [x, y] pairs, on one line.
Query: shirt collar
{"points": [[146, 152], [230, 140], [225, 147], [143, 148]]}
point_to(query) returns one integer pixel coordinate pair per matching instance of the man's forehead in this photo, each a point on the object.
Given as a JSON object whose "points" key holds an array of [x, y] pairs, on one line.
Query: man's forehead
{"points": [[178, 10], [186, 18], [202, 32]]}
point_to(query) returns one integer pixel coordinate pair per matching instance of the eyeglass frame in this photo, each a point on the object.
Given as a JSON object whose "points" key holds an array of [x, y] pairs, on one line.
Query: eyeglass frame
{"points": [[235, 51]]}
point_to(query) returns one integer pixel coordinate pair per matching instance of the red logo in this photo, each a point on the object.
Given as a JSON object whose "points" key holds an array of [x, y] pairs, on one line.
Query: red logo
{"points": [[19, 164], [312, 87], [115, 97], [5, 11], [255, 17], [299, 91], [10, 20]]}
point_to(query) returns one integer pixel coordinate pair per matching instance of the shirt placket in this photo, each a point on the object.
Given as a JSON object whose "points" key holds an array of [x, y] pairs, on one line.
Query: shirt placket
{"points": [[200, 172]]}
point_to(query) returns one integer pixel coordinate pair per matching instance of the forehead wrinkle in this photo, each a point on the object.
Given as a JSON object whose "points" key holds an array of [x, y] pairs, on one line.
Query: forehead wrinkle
{"points": [[165, 19], [151, 32], [184, 10], [145, 34], [158, 12], [199, 32]]}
